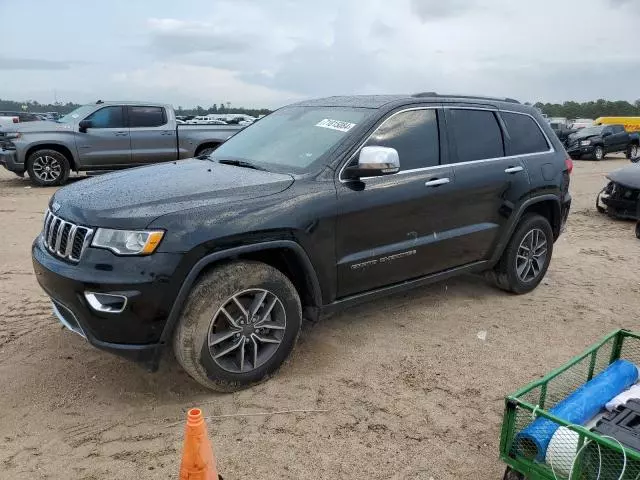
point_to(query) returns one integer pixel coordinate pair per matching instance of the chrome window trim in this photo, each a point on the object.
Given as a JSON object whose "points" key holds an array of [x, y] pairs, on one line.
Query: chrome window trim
{"points": [[433, 167]]}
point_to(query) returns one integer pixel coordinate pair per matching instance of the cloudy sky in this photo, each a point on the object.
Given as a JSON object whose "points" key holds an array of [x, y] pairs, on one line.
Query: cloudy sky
{"points": [[270, 52]]}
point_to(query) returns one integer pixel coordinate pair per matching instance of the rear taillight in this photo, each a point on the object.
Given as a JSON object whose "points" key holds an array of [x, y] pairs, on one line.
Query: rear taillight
{"points": [[569, 164], [16, 119]]}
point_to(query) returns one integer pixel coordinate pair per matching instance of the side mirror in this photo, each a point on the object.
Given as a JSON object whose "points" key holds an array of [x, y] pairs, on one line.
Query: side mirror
{"points": [[374, 162], [84, 124]]}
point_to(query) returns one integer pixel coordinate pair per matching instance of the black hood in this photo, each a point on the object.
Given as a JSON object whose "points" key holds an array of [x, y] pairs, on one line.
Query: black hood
{"points": [[579, 135], [135, 197], [628, 176]]}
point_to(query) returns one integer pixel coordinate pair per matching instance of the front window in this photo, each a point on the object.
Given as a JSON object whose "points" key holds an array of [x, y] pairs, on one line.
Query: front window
{"points": [[292, 139], [77, 115]]}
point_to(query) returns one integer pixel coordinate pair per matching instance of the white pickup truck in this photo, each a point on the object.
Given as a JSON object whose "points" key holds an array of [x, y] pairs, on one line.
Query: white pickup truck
{"points": [[104, 136]]}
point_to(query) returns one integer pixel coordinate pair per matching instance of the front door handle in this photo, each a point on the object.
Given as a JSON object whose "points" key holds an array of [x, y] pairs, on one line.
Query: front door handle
{"points": [[436, 182], [122, 134], [513, 169]]}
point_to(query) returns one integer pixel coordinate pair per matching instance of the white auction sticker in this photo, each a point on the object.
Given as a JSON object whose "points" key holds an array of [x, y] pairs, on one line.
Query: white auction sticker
{"points": [[335, 125]]}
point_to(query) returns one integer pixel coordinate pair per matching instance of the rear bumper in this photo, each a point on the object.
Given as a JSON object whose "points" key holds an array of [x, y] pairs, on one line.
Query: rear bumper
{"points": [[9, 160]]}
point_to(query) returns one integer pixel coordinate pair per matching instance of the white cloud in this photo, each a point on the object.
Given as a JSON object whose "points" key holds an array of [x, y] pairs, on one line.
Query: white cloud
{"points": [[272, 51]]}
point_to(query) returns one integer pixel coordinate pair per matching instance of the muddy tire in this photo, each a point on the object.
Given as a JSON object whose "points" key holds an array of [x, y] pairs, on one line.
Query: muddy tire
{"points": [[239, 324], [48, 168], [526, 258], [205, 152]]}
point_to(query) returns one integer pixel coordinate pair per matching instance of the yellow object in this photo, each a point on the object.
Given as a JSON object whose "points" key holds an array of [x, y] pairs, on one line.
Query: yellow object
{"points": [[152, 242], [631, 124]]}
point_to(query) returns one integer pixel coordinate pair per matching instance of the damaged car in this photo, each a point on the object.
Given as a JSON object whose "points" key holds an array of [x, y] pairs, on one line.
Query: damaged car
{"points": [[619, 198]]}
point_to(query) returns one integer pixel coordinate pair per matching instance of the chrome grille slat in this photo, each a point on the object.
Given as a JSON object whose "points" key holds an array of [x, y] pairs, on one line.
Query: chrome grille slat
{"points": [[61, 225], [60, 236]]}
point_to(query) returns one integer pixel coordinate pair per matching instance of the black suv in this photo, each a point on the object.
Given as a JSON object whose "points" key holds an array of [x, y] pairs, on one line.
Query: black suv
{"points": [[316, 207]]}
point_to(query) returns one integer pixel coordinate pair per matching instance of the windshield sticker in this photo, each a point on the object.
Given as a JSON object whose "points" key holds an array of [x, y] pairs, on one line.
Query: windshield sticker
{"points": [[335, 125]]}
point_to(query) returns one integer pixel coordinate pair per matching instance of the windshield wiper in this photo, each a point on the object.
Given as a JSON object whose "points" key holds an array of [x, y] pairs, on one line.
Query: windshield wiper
{"points": [[241, 163]]}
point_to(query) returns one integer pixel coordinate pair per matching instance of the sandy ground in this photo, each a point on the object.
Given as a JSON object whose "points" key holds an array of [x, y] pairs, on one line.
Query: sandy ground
{"points": [[410, 390]]}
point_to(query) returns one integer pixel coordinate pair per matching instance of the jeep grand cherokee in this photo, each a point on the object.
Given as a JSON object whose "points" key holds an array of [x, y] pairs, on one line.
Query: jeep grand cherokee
{"points": [[316, 207]]}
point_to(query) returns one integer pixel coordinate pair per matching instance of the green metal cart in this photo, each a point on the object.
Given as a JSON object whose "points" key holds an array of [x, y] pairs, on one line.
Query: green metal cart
{"points": [[581, 455]]}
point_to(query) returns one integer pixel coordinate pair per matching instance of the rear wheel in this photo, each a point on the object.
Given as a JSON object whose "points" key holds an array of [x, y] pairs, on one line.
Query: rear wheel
{"points": [[632, 153], [638, 230], [526, 259], [598, 153], [240, 323], [48, 168]]}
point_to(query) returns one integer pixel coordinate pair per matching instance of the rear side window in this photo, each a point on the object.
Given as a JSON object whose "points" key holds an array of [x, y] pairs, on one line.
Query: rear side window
{"points": [[618, 129], [414, 134], [477, 134], [146, 117], [524, 134], [107, 117]]}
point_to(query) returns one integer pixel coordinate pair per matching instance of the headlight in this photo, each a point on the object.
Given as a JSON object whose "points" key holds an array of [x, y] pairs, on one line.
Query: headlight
{"points": [[127, 242], [584, 143]]}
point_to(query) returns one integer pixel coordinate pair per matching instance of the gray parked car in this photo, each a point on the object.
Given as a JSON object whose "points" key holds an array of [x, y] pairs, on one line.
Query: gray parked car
{"points": [[105, 136]]}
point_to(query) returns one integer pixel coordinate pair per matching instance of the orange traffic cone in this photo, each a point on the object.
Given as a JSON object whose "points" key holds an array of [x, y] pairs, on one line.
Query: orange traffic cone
{"points": [[198, 460]]}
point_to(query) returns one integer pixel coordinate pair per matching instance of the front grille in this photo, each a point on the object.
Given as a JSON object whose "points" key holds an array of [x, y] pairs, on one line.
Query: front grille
{"points": [[65, 239]]}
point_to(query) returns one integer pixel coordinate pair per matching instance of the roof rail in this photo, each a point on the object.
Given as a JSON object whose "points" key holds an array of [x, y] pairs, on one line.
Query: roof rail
{"points": [[479, 97]]}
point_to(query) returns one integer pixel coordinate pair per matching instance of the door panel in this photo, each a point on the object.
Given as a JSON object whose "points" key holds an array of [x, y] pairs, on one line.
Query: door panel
{"points": [[488, 192], [489, 185], [151, 138], [107, 142], [393, 228]]}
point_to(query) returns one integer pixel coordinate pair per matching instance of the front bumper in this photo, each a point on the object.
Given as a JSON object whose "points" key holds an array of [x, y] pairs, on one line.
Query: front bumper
{"points": [[146, 282], [618, 201], [577, 151], [9, 160]]}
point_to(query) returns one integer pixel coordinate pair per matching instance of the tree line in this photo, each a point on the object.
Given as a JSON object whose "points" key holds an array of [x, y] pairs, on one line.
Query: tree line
{"points": [[62, 108], [593, 109], [599, 108]]}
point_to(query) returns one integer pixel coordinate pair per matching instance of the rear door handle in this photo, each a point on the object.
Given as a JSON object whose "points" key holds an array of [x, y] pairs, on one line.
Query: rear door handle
{"points": [[513, 169], [436, 182], [165, 132], [122, 134]]}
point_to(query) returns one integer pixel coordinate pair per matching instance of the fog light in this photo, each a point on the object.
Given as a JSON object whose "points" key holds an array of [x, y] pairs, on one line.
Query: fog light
{"points": [[106, 302]]}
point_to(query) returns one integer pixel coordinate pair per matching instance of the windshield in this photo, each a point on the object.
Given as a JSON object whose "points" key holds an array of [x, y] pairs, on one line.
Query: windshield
{"points": [[293, 138], [77, 115], [591, 130]]}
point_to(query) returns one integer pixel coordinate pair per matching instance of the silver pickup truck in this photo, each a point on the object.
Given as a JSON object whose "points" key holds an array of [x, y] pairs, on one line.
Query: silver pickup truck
{"points": [[105, 136]]}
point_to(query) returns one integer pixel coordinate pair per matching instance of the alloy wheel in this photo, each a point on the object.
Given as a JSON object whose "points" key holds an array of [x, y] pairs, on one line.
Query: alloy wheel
{"points": [[599, 153], [247, 330], [532, 255], [47, 169], [634, 151]]}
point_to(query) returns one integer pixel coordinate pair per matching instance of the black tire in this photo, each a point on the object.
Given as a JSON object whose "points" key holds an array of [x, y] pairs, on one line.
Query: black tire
{"points": [[638, 230], [598, 153], [505, 272], [632, 153], [58, 164], [511, 474], [215, 290], [206, 151]]}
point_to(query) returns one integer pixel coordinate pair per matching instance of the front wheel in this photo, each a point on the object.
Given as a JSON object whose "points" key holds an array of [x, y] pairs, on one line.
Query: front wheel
{"points": [[48, 168], [598, 153], [239, 324], [526, 258], [632, 153]]}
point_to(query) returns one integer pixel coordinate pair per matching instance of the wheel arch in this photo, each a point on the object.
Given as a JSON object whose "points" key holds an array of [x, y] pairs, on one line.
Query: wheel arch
{"points": [[204, 145], [285, 255], [547, 206], [58, 147]]}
